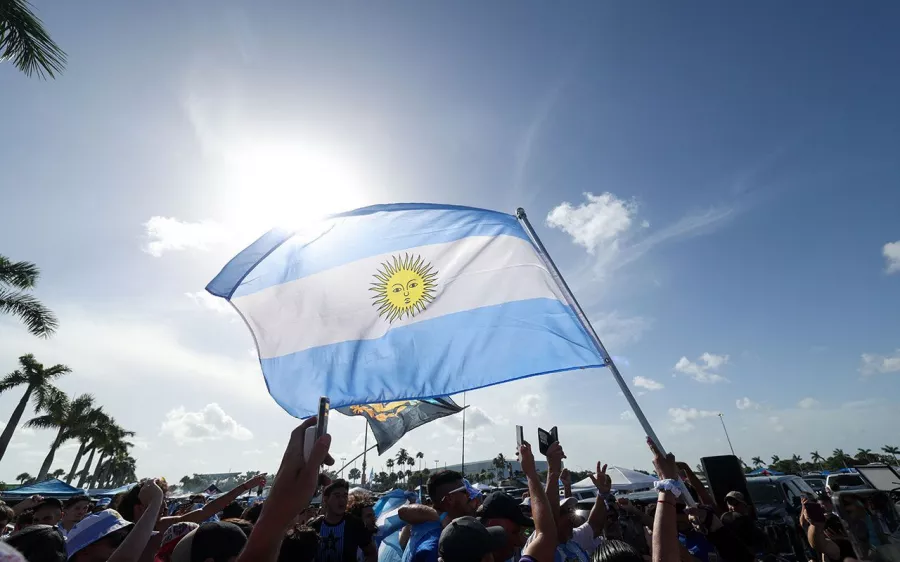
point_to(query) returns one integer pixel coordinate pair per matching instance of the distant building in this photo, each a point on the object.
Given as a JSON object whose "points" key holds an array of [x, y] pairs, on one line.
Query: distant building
{"points": [[475, 467]]}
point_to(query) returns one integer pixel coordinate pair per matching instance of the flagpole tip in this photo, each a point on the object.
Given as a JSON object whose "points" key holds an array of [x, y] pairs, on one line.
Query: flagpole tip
{"points": [[520, 213]]}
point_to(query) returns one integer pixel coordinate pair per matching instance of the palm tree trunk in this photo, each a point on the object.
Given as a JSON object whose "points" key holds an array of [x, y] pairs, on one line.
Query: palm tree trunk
{"points": [[105, 474], [87, 468], [48, 460], [78, 455], [6, 437], [96, 477]]}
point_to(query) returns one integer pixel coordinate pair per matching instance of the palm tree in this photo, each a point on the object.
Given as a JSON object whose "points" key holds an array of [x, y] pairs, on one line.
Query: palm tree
{"points": [[37, 381], [67, 417], [421, 456], [499, 463], [775, 459], [757, 461], [87, 437], [891, 450], [840, 456], [111, 444], [402, 457], [16, 278], [57, 473], [354, 474], [390, 465], [24, 477], [24, 40], [864, 453], [816, 457]]}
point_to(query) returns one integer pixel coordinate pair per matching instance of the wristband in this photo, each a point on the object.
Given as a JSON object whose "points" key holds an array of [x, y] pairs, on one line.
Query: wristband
{"points": [[668, 485]]}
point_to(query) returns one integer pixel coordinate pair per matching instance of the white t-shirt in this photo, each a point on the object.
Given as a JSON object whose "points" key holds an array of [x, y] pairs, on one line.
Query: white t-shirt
{"points": [[580, 547]]}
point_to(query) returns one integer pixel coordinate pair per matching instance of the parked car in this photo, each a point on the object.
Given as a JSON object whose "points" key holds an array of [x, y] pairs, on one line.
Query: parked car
{"points": [[816, 482], [845, 483], [777, 500]]}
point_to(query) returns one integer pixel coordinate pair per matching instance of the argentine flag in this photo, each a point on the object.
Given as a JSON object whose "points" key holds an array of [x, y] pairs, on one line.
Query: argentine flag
{"points": [[402, 301]]}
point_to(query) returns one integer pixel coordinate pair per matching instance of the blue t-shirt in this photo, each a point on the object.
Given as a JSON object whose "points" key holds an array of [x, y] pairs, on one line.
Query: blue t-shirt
{"points": [[697, 544], [423, 543]]}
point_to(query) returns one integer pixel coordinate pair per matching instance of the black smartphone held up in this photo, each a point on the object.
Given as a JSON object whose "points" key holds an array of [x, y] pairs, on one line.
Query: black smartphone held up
{"points": [[546, 438], [322, 418], [520, 437]]}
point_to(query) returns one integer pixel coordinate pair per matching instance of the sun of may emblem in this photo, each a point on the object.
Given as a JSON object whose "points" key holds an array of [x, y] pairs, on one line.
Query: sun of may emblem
{"points": [[403, 287]]}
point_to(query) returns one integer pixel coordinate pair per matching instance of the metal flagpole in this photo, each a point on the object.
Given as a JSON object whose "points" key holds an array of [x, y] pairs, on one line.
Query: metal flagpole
{"points": [[365, 450], [463, 464], [582, 317], [722, 419]]}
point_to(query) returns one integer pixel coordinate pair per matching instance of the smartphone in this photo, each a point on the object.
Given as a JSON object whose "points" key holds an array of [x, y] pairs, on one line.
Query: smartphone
{"points": [[815, 512], [546, 438], [321, 428], [520, 437]]}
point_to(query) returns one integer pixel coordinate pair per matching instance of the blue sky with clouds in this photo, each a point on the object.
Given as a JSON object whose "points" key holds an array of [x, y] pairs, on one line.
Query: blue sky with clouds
{"points": [[734, 250]]}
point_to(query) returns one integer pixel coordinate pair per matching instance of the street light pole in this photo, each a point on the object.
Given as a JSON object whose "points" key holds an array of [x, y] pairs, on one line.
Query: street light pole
{"points": [[722, 419], [341, 473]]}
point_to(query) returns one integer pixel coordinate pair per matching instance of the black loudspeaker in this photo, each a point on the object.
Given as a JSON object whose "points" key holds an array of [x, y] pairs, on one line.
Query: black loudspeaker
{"points": [[726, 474]]}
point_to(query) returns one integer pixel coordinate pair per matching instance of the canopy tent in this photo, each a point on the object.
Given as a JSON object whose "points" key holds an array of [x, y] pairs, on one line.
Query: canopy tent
{"points": [[482, 487], [764, 472], [622, 479], [104, 493], [53, 488]]}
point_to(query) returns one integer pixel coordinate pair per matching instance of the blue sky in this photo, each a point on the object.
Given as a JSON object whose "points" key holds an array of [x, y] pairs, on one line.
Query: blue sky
{"points": [[741, 160]]}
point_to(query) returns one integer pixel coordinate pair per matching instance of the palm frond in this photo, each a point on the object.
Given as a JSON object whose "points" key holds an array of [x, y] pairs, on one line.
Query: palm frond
{"points": [[19, 274], [46, 421], [24, 40], [37, 317], [12, 380]]}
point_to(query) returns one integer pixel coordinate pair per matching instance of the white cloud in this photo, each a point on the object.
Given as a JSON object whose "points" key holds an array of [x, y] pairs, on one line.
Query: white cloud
{"points": [[682, 417], [617, 330], [476, 418], [776, 424], [215, 304], [891, 253], [880, 364], [530, 405], [626, 415], [746, 404], [808, 403], [702, 370], [597, 223], [860, 404], [649, 384], [209, 424], [165, 234]]}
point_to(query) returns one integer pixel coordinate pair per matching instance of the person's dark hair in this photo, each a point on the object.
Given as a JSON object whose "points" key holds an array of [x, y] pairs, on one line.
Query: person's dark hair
{"points": [[39, 543], [7, 513], [338, 484], [217, 540], [616, 551], [440, 478], [245, 525], [127, 503], [300, 544], [232, 511], [75, 500], [52, 503], [357, 504], [25, 518], [252, 513]]}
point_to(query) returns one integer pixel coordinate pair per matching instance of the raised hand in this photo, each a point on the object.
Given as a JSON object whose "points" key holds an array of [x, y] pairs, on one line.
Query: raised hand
{"points": [[526, 458], [601, 479], [665, 465], [256, 481], [565, 477], [555, 455], [149, 492]]}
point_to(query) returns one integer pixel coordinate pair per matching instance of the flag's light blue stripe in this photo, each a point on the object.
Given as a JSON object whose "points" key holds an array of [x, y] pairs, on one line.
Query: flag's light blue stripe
{"points": [[275, 258], [446, 355]]}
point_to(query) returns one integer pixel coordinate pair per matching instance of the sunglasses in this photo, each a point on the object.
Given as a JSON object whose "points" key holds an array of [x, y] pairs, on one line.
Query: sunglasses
{"points": [[458, 490]]}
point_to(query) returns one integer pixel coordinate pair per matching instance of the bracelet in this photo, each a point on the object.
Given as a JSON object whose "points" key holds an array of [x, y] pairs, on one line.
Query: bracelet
{"points": [[668, 485], [664, 501]]}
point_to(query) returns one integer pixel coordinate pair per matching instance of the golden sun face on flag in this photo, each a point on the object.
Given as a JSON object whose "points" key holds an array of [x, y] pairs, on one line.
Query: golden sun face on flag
{"points": [[403, 287], [381, 412]]}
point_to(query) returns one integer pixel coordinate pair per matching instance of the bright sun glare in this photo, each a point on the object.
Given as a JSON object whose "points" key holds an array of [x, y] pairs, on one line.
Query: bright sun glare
{"points": [[287, 185]]}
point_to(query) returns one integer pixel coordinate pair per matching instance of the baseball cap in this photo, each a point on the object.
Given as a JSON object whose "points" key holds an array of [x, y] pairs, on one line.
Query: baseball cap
{"points": [[467, 540], [473, 492], [93, 528], [499, 505], [567, 503], [736, 496], [214, 539]]}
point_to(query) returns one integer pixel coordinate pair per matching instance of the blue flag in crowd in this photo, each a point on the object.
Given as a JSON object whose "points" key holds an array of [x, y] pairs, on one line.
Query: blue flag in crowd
{"points": [[401, 302], [391, 420]]}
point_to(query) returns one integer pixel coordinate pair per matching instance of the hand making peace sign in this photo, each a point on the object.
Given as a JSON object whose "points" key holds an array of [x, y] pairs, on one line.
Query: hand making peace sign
{"points": [[602, 480]]}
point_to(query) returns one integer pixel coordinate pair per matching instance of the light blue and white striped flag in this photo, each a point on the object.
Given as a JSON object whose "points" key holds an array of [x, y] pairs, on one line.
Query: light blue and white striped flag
{"points": [[403, 301]]}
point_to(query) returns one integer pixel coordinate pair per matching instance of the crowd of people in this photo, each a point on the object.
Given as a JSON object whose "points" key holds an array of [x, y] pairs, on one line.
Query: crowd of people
{"points": [[455, 523]]}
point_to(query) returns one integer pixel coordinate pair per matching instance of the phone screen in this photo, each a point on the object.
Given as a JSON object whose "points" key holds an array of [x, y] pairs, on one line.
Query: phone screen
{"points": [[520, 437], [322, 420]]}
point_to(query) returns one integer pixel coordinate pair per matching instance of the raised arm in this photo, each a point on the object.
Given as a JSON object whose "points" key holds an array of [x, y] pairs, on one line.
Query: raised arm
{"points": [[555, 455], [543, 544], [566, 478], [416, 513], [666, 547], [702, 493], [294, 487], [603, 483], [815, 534], [133, 546]]}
